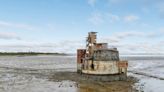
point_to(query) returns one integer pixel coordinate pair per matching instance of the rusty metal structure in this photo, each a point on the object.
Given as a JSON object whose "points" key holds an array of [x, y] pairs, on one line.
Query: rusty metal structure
{"points": [[98, 59]]}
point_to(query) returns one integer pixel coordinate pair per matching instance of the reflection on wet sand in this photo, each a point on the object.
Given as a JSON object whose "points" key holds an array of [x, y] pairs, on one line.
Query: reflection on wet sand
{"points": [[85, 84]]}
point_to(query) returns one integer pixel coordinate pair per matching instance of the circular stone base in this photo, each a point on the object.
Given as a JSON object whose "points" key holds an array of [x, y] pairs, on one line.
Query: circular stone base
{"points": [[113, 77], [74, 76]]}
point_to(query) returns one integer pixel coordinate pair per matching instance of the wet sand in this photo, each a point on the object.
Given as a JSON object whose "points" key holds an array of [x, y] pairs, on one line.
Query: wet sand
{"points": [[58, 74], [85, 84]]}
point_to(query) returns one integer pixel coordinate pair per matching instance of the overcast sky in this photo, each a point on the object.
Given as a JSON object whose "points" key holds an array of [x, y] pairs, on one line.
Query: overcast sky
{"points": [[133, 26]]}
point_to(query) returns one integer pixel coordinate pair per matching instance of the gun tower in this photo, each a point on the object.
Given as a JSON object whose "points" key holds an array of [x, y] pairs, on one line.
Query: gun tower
{"points": [[99, 60]]}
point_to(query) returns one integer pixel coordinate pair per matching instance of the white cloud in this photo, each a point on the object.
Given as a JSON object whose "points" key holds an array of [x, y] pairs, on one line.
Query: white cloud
{"points": [[35, 46], [109, 40], [114, 1], [142, 47], [112, 17], [99, 18], [162, 29], [96, 19], [8, 36], [147, 35], [52, 27], [160, 7], [117, 40], [120, 39], [161, 43], [122, 35], [131, 18], [5, 24], [92, 2]]}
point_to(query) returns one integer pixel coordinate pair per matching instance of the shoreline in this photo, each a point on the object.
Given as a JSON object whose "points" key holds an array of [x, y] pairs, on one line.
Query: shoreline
{"points": [[31, 54]]}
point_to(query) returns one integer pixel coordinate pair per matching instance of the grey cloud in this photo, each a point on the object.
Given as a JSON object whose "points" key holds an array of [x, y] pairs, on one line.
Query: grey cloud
{"points": [[154, 35], [67, 46], [120, 36], [62, 47], [117, 40], [71, 46], [27, 48], [141, 47], [9, 36], [123, 35]]}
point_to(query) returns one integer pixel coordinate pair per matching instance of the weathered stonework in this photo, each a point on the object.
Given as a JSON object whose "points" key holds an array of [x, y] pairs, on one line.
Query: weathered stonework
{"points": [[99, 62]]}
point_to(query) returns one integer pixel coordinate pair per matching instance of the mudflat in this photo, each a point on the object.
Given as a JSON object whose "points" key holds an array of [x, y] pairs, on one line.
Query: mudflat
{"points": [[86, 84], [49, 73]]}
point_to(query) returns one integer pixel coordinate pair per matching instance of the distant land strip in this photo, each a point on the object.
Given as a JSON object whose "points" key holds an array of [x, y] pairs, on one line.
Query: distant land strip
{"points": [[141, 53], [30, 53]]}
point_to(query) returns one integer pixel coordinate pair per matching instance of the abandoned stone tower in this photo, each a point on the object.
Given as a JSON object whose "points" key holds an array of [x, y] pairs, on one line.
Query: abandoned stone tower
{"points": [[99, 61]]}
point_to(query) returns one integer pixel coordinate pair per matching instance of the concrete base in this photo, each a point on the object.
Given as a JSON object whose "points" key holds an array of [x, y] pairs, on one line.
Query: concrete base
{"points": [[106, 78]]}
